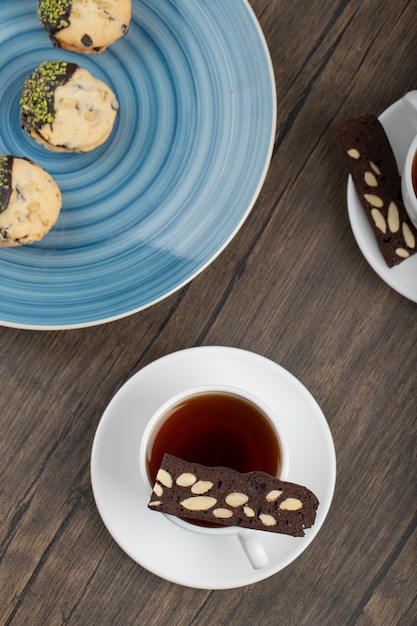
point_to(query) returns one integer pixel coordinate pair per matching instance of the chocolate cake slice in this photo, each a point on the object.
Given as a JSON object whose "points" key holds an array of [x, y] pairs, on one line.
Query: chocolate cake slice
{"points": [[372, 165], [224, 496]]}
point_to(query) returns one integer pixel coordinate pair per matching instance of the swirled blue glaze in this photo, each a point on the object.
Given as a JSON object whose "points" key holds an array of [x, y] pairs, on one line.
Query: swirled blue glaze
{"points": [[148, 210]]}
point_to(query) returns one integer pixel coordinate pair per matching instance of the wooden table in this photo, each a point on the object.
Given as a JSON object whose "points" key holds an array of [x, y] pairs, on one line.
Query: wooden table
{"points": [[292, 286]]}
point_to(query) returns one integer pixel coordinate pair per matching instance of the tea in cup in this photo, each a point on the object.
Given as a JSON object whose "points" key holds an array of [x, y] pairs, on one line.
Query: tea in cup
{"points": [[216, 426]]}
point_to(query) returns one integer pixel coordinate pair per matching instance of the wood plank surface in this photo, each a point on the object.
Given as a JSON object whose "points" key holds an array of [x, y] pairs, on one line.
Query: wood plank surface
{"points": [[292, 286]]}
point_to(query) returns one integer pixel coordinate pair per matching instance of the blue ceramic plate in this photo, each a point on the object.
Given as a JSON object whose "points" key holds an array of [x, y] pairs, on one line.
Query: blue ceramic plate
{"points": [[148, 210]]}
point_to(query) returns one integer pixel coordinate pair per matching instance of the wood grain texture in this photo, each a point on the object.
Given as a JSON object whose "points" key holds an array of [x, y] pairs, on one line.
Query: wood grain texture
{"points": [[292, 286]]}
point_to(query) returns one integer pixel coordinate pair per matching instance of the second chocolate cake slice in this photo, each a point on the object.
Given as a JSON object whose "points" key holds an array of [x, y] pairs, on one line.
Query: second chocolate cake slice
{"points": [[372, 165]]}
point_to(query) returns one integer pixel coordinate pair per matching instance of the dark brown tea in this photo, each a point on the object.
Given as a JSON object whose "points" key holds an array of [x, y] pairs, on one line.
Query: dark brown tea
{"points": [[414, 173], [216, 428]]}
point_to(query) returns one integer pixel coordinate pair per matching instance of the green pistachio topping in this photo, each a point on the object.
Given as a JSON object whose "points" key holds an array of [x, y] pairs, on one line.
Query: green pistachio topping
{"points": [[4, 167], [54, 13], [37, 100]]}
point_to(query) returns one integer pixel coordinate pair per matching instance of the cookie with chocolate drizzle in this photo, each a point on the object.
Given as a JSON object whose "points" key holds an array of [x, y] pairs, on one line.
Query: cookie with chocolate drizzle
{"points": [[30, 201], [66, 109], [85, 26]]}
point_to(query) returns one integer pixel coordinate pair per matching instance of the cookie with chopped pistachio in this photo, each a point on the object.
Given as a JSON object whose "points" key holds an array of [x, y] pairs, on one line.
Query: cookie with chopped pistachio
{"points": [[66, 109], [85, 26], [30, 201], [373, 167]]}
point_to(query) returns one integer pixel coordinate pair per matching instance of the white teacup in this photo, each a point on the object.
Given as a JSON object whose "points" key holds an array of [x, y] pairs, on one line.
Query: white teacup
{"points": [[410, 105], [250, 540], [409, 193]]}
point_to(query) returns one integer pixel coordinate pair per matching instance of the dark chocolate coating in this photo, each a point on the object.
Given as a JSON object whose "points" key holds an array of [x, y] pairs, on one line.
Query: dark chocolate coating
{"points": [[40, 87], [5, 181], [52, 28]]}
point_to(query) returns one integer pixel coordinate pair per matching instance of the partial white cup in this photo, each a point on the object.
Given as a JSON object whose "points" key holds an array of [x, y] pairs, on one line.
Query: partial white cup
{"points": [[250, 540], [410, 105], [407, 189]]}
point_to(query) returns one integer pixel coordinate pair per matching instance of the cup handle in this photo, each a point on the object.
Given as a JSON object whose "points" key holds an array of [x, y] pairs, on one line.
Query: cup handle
{"points": [[253, 548], [410, 104]]}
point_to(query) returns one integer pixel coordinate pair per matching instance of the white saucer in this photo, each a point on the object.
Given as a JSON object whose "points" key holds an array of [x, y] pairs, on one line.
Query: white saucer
{"points": [[151, 539], [403, 277]]}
